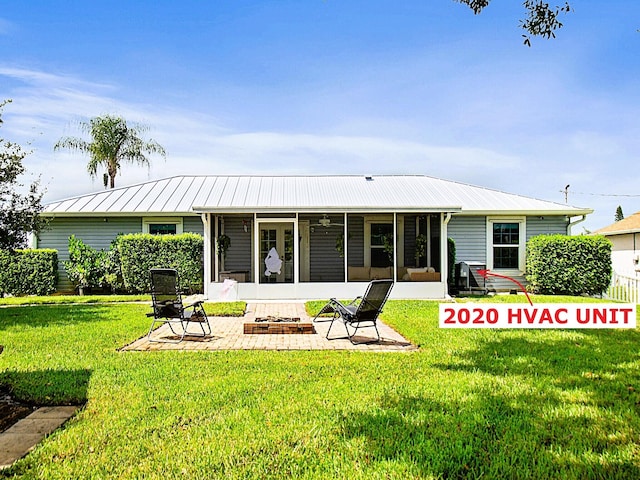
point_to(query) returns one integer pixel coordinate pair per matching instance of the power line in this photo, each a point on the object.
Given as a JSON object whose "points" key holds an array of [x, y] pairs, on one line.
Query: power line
{"points": [[601, 194]]}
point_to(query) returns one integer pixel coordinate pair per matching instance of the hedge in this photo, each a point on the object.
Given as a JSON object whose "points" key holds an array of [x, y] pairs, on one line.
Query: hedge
{"points": [[564, 265], [28, 272], [139, 252]]}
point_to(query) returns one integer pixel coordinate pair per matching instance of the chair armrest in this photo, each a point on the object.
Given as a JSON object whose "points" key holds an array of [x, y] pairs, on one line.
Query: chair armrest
{"points": [[194, 304]]}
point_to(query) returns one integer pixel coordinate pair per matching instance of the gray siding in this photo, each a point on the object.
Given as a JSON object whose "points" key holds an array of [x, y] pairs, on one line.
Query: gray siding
{"points": [[325, 263], [470, 235], [355, 246], [97, 232], [409, 240], [546, 226], [239, 253], [192, 225]]}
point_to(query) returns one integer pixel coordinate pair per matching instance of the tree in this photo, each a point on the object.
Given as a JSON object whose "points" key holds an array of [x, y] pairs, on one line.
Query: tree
{"points": [[113, 141], [541, 19], [19, 213], [619, 214]]}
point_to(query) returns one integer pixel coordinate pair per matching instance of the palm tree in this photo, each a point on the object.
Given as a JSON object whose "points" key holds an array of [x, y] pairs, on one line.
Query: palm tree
{"points": [[113, 141]]}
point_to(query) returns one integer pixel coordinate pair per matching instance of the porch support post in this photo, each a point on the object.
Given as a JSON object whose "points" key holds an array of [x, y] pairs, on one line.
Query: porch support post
{"points": [[206, 223], [345, 242], [444, 248], [256, 249], [214, 247], [395, 247], [296, 252]]}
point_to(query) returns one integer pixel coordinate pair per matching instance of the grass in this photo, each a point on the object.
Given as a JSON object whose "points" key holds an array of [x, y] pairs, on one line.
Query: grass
{"points": [[218, 309], [468, 404]]}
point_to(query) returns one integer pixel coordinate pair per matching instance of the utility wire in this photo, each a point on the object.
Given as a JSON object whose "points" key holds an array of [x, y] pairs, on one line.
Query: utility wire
{"points": [[601, 194]]}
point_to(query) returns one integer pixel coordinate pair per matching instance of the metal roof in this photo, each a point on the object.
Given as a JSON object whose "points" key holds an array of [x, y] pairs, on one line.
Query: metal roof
{"points": [[184, 195]]}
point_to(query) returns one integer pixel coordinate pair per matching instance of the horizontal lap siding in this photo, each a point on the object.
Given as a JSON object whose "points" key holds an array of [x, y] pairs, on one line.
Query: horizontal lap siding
{"points": [[470, 236], [325, 263], [95, 232], [239, 253], [356, 240], [546, 226]]}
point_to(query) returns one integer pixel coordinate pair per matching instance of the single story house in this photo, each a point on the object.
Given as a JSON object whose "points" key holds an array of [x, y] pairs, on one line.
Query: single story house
{"points": [[298, 237], [625, 237]]}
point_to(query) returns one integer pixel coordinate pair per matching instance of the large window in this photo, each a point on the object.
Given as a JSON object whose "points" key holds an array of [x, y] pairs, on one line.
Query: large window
{"points": [[506, 243]]}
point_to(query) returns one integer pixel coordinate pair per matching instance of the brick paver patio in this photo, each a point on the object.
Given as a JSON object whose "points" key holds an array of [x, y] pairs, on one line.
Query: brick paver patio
{"points": [[227, 334]]}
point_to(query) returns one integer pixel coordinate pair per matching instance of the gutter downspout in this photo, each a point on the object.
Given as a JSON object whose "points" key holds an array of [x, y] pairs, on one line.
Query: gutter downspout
{"points": [[444, 247], [584, 217]]}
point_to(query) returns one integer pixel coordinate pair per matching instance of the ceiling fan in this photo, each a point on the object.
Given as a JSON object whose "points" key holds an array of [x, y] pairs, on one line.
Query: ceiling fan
{"points": [[326, 222]]}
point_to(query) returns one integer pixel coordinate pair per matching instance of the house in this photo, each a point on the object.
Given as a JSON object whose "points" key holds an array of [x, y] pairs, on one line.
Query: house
{"points": [[625, 237], [330, 233]]}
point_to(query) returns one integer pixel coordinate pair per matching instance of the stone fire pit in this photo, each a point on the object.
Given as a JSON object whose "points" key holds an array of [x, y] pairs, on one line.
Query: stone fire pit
{"points": [[278, 325]]}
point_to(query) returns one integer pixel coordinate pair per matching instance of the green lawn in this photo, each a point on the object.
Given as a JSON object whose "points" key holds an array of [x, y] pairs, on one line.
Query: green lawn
{"points": [[468, 404]]}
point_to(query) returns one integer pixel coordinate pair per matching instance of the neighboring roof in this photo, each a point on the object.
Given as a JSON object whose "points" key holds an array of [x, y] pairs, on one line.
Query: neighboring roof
{"points": [[626, 225], [248, 194]]}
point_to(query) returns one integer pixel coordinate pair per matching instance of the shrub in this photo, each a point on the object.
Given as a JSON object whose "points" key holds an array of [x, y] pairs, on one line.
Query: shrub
{"points": [[139, 252], [85, 267], [564, 265], [451, 257], [28, 272]]}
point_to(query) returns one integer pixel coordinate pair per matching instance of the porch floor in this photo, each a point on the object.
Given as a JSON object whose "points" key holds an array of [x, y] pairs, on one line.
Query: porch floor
{"points": [[227, 334]]}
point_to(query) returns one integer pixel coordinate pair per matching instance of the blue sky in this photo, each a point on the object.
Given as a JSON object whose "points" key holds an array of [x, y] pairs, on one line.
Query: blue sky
{"points": [[329, 86]]}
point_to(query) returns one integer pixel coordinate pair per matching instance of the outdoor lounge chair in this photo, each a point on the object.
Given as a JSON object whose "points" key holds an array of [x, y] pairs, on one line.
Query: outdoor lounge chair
{"points": [[168, 307], [362, 312]]}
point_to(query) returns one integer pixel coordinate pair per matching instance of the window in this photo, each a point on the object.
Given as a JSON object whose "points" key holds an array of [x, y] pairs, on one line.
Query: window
{"points": [[381, 244], [506, 243], [378, 240], [162, 226]]}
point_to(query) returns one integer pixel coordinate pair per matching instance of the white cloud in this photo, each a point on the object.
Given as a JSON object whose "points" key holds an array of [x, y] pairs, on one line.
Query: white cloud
{"points": [[46, 106]]}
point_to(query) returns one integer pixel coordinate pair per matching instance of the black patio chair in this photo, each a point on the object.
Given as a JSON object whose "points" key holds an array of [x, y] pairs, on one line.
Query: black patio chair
{"points": [[362, 312], [168, 307]]}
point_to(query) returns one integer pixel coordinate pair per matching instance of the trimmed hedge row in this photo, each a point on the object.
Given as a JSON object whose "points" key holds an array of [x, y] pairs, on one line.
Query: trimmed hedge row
{"points": [[565, 265], [140, 252], [28, 272]]}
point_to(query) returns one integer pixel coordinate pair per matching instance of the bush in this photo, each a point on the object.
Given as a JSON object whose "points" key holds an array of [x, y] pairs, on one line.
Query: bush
{"points": [[28, 272], [564, 265], [139, 252], [451, 257], [86, 266]]}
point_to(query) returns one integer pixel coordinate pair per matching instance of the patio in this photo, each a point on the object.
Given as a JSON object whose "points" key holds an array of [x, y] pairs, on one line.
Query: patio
{"points": [[227, 334]]}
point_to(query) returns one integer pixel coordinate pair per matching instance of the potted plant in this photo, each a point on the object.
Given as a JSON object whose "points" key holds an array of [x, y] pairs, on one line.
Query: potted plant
{"points": [[421, 247], [223, 244]]}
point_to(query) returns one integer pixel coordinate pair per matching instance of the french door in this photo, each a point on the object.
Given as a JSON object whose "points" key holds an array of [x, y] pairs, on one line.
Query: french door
{"points": [[275, 259]]}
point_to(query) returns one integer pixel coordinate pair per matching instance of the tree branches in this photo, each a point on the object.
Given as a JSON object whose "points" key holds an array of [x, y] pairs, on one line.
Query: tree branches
{"points": [[541, 19]]}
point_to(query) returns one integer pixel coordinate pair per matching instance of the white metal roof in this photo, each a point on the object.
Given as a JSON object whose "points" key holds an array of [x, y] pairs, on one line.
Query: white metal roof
{"points": [[185, 195]]}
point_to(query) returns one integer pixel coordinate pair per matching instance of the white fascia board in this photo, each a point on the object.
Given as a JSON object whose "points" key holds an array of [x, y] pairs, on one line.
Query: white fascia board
{"points": [[248, 210]]}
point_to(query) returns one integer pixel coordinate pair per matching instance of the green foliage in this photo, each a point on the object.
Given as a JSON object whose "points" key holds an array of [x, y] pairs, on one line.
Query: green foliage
{"points": [[224, 242], [113, 141], [560, 264], [19, 213], [139, 252], [619, 215], [28, 272], [86, 266], [542, 20], [421, 247], [451, 256]]}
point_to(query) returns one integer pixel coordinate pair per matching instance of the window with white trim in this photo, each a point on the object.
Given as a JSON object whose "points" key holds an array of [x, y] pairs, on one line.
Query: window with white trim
{"points": [[506, 243], [162, 226]]}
